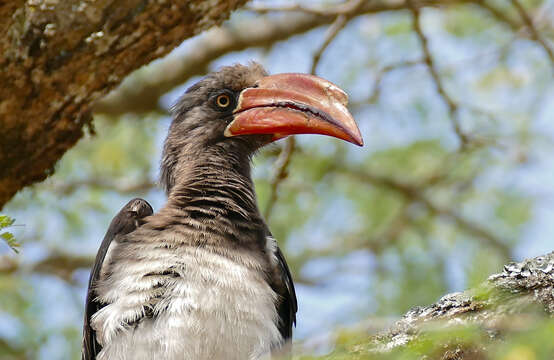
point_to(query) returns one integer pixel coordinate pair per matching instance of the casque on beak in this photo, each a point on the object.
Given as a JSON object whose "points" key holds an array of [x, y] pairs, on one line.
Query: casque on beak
{"points": [[287, 104]]}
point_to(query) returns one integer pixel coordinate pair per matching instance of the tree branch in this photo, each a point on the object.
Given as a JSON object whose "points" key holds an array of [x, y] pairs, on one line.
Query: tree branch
{"points": [[499, 15], [281, 165], [376, 89], [345, 8], [533, 30], [414, 193], [428, 59], [348, 10], [520, 292], [331, 34], [59, 56], [58, 264], [122, 187], [141, 95], [279, 174]]}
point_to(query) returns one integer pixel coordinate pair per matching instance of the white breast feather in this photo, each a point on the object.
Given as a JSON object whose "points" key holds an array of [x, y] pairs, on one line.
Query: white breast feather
{"points": [[215, 309]]}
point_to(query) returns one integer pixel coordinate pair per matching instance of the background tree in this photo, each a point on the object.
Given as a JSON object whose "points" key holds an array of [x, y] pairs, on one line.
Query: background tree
{"points": [[454, 99]]}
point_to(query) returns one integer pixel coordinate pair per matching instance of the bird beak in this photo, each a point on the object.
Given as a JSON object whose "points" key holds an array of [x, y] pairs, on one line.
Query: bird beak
{"points": [[287, 104]]}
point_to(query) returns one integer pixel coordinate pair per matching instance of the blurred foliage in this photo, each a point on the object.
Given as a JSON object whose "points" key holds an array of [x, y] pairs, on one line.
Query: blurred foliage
{"points": [[371, 231], [529, 342]]}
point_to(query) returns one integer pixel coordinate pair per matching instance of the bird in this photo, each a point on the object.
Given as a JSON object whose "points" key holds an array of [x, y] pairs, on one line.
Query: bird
{"points": [[203, 277]]}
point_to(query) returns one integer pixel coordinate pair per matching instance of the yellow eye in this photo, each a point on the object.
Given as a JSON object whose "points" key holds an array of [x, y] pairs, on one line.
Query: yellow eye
{"points": [[223, 100]]}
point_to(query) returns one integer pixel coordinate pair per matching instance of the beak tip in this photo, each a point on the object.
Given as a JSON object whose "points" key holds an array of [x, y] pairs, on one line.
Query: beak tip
{"points": [[355, 137], [358, 141]]}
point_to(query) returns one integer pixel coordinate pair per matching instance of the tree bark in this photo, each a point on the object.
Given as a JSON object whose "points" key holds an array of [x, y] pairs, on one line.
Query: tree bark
{"points": [[57, 57], [518, 296]]}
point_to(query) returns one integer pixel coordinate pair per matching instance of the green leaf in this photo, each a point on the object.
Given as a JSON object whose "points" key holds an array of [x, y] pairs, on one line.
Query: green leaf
{"points": [[6, 221]]}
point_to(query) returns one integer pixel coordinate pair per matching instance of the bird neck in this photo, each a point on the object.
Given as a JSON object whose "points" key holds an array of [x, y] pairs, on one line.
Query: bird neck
{"points": [[216, 186]]}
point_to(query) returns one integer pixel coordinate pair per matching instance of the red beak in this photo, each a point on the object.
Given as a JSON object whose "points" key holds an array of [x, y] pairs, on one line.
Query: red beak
{"points": [[287, 104]]}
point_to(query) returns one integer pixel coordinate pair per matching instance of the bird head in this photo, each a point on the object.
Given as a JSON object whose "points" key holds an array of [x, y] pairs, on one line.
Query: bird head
{"points": [[240, 108]]}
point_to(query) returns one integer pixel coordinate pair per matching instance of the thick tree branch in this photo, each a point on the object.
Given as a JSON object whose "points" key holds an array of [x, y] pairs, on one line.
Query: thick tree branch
{"points": [[56, 57], [522, 291]]}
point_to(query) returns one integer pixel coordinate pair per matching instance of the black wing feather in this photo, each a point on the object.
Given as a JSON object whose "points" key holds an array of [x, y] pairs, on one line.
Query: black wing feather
{"points": [[288, 305], [127, 220]]}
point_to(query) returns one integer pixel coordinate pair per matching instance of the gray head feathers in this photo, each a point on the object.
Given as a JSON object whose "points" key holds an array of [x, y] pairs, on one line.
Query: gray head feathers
{"points": [[196, 131]]}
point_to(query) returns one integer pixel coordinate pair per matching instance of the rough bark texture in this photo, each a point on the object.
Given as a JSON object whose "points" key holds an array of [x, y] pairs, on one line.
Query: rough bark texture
{"points": [[57, 57], [521, 290]]}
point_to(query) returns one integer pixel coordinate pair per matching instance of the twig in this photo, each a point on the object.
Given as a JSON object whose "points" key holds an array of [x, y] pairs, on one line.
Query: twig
{"points": [[499, 15], [283, 161], [534, 33], [376, 89], [340, 22], [279, 174], [447, 67], [429, 62], [332, 33]]}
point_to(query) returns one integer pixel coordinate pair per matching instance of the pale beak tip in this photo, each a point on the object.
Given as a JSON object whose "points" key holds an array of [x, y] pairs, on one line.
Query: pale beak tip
{"points": [[227, 132]]}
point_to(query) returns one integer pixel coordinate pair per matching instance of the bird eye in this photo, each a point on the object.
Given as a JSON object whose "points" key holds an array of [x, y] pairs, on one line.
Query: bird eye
{"points": [[223, 101]]}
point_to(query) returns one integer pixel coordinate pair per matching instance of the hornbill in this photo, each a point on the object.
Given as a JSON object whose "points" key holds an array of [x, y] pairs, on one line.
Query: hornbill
{"points": [[203, 277]]}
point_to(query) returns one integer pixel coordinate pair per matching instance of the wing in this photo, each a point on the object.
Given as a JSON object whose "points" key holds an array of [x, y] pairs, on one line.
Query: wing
{"points": [[282, 284], [127, 220], [288, 306]]}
